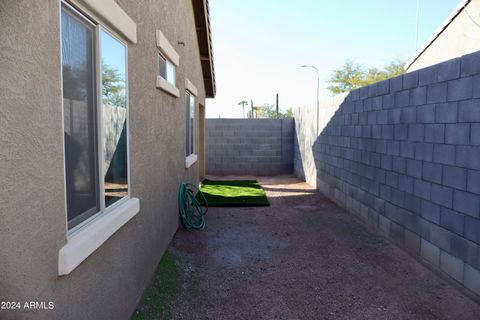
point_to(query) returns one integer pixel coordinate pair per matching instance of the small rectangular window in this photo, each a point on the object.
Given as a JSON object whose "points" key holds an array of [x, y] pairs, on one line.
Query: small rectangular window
{"points": [[190, 112], [166, 69], [95, 120]]}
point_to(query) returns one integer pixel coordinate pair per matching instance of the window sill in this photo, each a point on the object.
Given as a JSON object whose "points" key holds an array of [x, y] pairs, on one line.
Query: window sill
{"points": [[83, 243], [167, 87], [190, 160], [190, 87], [164, 45]]}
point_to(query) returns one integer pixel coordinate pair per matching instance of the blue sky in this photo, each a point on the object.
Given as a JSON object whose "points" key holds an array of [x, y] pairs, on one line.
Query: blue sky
{"points": [[259, 46], [113, 52]]}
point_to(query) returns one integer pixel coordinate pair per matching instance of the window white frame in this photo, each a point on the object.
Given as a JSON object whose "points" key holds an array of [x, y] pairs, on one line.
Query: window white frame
{"points": [[87, 236], [168, 65], [167, 53]]}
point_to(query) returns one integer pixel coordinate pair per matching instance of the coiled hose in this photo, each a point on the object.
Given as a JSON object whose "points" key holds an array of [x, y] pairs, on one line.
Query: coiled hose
{"points": [[192, 215]]}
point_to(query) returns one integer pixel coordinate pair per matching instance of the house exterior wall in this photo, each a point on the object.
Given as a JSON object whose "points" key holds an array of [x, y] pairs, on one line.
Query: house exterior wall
{"points": [[110, 282], [249, 146], [404, 155], [460, 37]]}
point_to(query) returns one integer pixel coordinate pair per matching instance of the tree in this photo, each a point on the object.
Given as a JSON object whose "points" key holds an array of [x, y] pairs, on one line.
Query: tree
{"points": [[288, 113], [267, 111], [243, 103], [349, 77], [113, 87], [352, 76], [395, 68]]}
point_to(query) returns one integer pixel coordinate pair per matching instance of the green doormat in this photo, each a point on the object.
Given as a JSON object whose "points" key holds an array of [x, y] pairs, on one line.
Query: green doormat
{"points": [[233, 193]]}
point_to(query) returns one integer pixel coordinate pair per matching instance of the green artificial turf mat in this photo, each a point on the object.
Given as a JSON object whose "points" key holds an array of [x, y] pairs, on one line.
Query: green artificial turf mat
{"points": [[233, 193]]}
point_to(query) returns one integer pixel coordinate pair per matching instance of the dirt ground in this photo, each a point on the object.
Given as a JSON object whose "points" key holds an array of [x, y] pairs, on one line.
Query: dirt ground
{"points": [[302, 258]]}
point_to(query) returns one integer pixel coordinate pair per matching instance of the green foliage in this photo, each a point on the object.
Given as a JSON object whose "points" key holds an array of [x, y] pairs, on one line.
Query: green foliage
{"points": [[352, 76], [268, 111], [173, 283], [113, 87], [288, 113], [157, 299], [395, 68], [242, 103], [233, 193], [349, 77]]}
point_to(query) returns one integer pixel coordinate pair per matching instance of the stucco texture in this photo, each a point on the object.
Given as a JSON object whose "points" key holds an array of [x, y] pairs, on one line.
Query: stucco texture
{"points": [[109, 283]]}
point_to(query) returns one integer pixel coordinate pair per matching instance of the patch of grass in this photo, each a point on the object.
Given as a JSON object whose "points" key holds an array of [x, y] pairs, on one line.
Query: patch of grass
{"points": [[172, 282], [156, 301], [233, 193], [193, 285]]}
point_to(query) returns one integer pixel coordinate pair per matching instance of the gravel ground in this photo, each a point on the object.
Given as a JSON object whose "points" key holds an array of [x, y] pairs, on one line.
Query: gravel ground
{"points": [[302, 258]]}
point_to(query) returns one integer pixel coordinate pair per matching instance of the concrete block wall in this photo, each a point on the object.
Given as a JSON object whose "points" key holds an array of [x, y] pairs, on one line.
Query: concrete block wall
{"points": [[305, 118], [249, 146], [404, 155], [305, 136]]}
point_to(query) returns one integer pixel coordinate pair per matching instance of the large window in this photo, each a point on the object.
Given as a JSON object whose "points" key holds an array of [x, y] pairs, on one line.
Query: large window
{"points": [[95, 117], [190, 104]]}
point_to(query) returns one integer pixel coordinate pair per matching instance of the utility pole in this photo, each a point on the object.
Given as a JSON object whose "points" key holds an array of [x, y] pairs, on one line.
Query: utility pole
{"points": [[277, 105], [253, 112]]}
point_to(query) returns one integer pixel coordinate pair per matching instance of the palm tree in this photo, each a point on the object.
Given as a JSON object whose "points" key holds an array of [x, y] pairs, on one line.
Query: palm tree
{"points": [[243, 103]]}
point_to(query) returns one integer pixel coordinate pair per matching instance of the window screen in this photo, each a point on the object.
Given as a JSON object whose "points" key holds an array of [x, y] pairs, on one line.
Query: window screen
{"points": [[78, 67]]}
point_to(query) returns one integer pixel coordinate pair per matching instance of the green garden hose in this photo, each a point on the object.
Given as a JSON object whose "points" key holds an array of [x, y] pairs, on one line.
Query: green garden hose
{"points": [[192, 215]]}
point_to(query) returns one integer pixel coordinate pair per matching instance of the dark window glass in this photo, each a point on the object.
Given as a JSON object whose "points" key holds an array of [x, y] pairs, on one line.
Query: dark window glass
{"points": [[78, 57], [162, 67]]}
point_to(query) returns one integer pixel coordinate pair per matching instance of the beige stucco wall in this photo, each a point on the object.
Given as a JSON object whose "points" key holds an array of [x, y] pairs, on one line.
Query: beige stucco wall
{"points": [[108, 284], [461, 37]]}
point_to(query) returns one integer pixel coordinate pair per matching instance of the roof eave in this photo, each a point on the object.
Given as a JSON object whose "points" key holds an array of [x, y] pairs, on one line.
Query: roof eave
{"points": [[458, 9], [204, 36]]}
